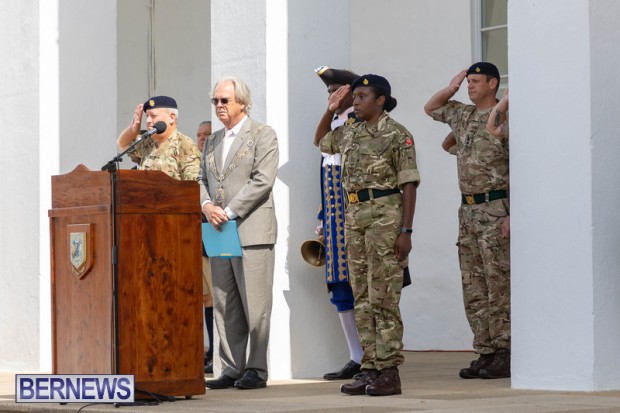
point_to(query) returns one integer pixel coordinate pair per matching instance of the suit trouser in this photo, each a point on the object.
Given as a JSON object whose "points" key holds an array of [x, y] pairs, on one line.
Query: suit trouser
{"points": [[242, 299]]}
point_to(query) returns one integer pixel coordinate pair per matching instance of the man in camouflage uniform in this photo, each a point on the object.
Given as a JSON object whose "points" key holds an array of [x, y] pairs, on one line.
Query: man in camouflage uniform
{"points": [[171, 151], [484, 216], [378, 162]]}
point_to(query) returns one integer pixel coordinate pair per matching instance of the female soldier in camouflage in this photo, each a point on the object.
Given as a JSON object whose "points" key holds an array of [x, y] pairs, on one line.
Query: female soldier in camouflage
{"points": [[380, 178]]}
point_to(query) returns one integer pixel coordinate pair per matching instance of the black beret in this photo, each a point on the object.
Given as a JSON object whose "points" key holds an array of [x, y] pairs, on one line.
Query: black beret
{"points": [[335, 76], [160, 102], [374, 81], [484, 68], [377, 82]]}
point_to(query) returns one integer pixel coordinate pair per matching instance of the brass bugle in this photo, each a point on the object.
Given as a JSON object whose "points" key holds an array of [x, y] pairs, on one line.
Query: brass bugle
{"points": [[313, 251]]}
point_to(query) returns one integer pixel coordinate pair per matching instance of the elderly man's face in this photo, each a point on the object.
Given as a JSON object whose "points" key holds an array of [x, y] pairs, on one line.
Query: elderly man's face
{"points": [[155, 115], [204, 131], [231, 112]]}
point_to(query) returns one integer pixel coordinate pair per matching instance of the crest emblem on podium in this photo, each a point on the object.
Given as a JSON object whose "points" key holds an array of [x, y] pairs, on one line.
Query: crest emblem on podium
{"points": [[80, 249]]}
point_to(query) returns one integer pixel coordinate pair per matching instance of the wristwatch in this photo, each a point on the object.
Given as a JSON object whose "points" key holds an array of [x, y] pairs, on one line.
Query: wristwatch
{"points": [[406, 230]]}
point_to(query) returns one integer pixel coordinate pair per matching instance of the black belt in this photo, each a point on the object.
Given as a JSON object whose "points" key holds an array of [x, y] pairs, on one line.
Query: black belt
{"points": [[366, 194], [481, 198]]}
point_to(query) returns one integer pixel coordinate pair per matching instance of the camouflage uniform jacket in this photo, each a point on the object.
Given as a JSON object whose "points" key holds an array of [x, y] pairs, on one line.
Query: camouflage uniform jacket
{"points": [[482, 159], [178, 157], [379, 157]]}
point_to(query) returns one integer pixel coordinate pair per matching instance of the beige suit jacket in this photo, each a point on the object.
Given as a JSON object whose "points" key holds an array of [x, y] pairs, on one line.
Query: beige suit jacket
{"points": [[247, 187]]}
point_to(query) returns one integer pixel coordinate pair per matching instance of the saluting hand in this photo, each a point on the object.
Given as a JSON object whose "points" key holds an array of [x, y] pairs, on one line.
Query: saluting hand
{"points": [[136, 120], [336, 98], [505, 97], [456, 81]]}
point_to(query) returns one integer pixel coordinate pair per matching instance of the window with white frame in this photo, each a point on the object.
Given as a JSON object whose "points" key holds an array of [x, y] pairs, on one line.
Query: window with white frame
{"points": [[491, 36]]}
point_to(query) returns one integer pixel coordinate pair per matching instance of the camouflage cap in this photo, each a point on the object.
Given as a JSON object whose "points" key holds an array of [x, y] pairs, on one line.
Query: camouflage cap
{"points": [[160, 102]]}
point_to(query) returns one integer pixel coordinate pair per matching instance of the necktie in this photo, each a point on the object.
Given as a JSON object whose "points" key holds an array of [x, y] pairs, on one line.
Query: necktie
{"points": [[229, 137]]}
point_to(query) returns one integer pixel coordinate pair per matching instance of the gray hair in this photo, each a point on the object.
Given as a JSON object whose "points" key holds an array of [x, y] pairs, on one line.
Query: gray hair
{"points": [[204, 122], [175, 111], [242, 91]]}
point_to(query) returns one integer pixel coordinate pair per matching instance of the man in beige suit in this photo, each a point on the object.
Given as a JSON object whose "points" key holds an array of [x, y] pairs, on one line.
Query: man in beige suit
{"points": [[237, 173]]}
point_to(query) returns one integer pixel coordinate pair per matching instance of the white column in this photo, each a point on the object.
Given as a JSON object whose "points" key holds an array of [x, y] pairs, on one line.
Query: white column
{"points": [[275, 46], [564, 200], [49, 158], [19, 180]]}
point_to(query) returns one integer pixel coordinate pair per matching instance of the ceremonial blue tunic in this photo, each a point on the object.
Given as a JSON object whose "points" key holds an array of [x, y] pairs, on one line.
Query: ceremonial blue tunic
{"points": [[332, 215]]}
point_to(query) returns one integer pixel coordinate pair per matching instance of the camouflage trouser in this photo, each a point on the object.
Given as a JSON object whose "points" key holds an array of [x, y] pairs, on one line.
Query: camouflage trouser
{"points": [[485, 270], [376, 278]]}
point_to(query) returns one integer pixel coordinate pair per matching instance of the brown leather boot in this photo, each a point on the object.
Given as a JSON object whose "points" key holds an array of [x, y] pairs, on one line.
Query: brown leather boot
{"points": [[473, 371], [362, 379], [499, 368], [387, 384]]}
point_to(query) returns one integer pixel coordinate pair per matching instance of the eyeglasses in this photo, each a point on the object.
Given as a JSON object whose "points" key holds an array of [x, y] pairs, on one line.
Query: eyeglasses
{"points": [[223, 101]]}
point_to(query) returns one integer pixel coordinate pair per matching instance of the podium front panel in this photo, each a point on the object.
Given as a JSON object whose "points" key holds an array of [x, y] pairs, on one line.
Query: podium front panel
{"points": [[81, 302], [154, 223], [160, 301]]}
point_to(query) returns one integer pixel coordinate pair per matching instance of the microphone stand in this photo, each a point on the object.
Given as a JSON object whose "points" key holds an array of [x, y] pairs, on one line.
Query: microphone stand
{"points": [[112, 167]]}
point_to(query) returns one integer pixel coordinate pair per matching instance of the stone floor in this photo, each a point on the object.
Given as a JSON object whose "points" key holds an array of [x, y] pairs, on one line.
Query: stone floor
{"points": [[430, 384]]}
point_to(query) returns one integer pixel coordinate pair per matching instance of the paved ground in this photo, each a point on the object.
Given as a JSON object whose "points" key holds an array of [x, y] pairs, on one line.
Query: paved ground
{"points": [[430, 384]]}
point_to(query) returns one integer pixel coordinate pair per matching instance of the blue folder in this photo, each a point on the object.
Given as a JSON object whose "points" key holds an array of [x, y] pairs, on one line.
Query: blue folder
{"points": [[224, 243]]}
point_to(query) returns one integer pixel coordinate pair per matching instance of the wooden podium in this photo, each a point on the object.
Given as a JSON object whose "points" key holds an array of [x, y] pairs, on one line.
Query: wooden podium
{"points": [[127, 279]]}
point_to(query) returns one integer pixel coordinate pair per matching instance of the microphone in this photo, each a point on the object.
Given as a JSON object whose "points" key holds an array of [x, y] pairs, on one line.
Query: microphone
{"points": [[158, 127]]}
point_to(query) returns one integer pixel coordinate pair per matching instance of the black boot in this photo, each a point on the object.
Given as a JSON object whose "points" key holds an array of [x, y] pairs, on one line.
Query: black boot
{"points": [[362, 379], [500, 367], [473, 371], [387, 384]]}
